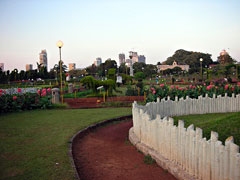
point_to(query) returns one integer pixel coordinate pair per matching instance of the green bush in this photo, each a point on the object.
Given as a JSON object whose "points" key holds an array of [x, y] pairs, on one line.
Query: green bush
{"points": [[28, 101]]}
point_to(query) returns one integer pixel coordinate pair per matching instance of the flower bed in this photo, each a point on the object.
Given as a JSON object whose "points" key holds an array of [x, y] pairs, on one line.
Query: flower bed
{"points": [[24, 101], [192, 91]]}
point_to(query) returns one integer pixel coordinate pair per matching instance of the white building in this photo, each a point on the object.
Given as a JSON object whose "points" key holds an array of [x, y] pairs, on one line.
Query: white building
{"points": [[2, 66], [29, 67], [71, 66], [98, 61], [164, 67], [43, 58], [129, 62]]}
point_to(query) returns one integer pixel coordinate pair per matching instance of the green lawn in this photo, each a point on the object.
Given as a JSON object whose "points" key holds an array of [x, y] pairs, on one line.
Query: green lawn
{"points": [[35, 144], [226, 124]]}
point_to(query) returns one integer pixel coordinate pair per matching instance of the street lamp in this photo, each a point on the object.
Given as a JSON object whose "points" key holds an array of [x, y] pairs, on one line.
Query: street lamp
{"points": [[60, 45], [201, 60]]}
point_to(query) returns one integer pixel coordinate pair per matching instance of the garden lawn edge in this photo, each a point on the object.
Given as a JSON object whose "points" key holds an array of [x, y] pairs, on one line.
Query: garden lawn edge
{"points": [[82, 133]]}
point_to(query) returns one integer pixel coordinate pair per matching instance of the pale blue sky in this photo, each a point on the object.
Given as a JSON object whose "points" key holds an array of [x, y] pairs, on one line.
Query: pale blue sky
{"points": [[105, 28]]}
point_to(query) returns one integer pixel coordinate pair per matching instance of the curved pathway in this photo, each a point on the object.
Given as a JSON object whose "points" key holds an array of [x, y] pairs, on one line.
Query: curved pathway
{"points": [[106, 153]]}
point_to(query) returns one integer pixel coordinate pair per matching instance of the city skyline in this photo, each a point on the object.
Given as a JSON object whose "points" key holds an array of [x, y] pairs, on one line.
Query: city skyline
{"points": [[104, 28]]}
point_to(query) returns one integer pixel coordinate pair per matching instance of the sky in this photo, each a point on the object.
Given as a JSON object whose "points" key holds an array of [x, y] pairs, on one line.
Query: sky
{"points": [[105, 28]]}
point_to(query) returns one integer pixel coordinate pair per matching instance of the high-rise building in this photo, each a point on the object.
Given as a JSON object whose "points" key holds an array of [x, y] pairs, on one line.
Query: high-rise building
{"points": [[43, 58], [2, 66], [98, 61], [129, 62], [29, 67], [134, 56], [71, 66], [142, 59], [121, 58]]}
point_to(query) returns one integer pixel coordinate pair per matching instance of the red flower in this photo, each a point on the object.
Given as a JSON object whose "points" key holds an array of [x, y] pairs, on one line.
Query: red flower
{"points": [[185, 88], [152, 88], [154, 92], [238, 84], [161, 85], [14, 97], [48, 90], [0, 93], [233, 88], [194, 87], [208, 87], [172, 86], [190, 86], [181, 88], [226, 87], [177, 87], [19, 90], [38, 91], [1, 90]]}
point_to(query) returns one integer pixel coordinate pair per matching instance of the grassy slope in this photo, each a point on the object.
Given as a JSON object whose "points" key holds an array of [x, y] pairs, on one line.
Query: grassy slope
{"points": [[31, 143], [226, 124]]}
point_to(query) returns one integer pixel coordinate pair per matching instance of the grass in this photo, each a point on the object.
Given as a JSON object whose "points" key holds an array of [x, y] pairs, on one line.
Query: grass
{"points": [[78, 94], [148, 160], [225, 124], [35, 144]]}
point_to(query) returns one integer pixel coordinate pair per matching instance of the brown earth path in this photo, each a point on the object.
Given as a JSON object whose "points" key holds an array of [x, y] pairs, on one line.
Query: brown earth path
{"points": [[106, 153]]}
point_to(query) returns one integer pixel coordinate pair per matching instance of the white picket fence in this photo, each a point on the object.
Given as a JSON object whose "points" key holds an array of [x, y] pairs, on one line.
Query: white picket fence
{"points": [[201, 158], [187, 106]]}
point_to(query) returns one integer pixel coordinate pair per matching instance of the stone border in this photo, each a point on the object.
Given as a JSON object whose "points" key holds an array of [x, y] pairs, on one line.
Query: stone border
{"points": [[83, 132], [166, 164]]}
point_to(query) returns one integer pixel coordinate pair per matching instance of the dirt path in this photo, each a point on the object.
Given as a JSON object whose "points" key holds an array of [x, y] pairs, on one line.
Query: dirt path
{"points": [[107, 154]]}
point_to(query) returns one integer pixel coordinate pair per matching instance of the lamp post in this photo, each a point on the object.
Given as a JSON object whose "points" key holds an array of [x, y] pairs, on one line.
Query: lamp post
{"points": [[201, 60], [60, 45]]}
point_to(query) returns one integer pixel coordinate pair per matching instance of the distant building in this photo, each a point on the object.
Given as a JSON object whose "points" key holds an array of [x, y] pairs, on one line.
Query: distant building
{"points": [[121, 58], [2, 66], [134, 56], [129, 62], [142, 59], [71, 66], [98, 61], [29, 67], [164, 67], [43, 58]]}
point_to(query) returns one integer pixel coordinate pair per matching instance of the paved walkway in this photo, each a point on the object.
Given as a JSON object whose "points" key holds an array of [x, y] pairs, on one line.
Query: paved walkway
{"points": [[107, 154]]}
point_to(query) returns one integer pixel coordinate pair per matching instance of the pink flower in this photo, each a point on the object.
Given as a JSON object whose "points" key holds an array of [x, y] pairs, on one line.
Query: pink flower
{"points": [[19, 90], [14, 97], [216, 87], [233, 88], [43, 94], [204, 84], [152, 88], [190, 86], [181, 88], [177, 87], [161, 85], [226, 87], [1, 90], [154, 92], [194, 87], [44, 90], [208, 87], [4, 92], [185, 88], [238, 84], [48, 90], [38, 91], [172, 86]]}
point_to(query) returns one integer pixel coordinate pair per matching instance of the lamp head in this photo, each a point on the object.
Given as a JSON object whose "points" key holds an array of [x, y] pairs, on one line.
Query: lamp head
{"points": [[59, 44], [201, 59]]}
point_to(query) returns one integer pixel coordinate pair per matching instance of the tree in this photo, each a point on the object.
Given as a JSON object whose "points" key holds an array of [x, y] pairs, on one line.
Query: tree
{"points": [[191, 58], [138, 67], [225, 58], [149, 70]]}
